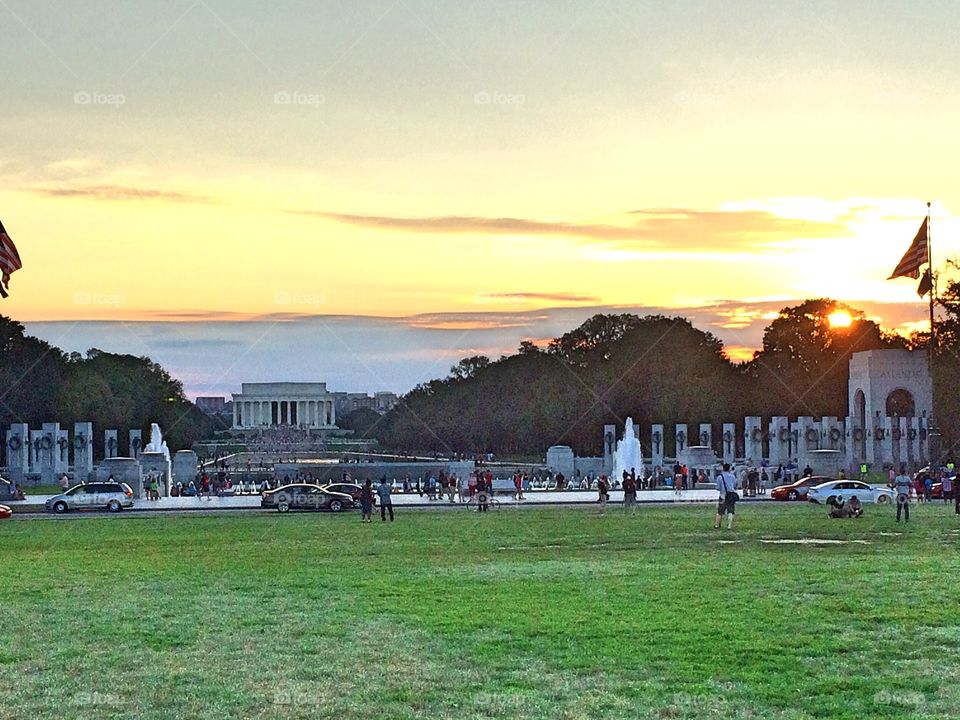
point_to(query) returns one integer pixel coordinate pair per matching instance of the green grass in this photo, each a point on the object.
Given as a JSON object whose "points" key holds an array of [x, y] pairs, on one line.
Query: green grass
{"points": [[534, 614]]}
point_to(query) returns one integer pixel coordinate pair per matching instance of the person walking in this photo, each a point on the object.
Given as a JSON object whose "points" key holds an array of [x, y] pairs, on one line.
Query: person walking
{"points": [[366, 502], [727, 486], [386, 504], [630, 492], [902, 485], [518, 484]]}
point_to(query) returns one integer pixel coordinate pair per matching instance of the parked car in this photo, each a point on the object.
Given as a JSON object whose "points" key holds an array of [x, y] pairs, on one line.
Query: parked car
{"points": [[304, 496], [846, 489], [114, 496], [5, 512], [351, 489], [797, 490]]}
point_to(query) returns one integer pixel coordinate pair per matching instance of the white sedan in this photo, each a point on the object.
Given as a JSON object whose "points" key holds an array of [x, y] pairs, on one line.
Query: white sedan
{"points": [[846, 489]]}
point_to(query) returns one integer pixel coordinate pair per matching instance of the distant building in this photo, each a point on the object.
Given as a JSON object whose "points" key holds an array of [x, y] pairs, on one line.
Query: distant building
{"points": [[386, 401], [380, 402], [212, 405]]}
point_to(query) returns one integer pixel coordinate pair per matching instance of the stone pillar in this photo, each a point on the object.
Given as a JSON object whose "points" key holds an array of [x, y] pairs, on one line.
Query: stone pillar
{"points": [[136, 443], [829, 440], [111, 448], [682, 440], [729, 442], [922, 450], [911, 436], [63, 453], [886, 442], [82, 450], [18, 451], [609, 447], [851, 448], [657, 439], [333, 412], [235, 407], [185, 466], [122, 470], [155, 463], [779, 440], [49, 452], [705, 437], [35, 437], [753, 440]]}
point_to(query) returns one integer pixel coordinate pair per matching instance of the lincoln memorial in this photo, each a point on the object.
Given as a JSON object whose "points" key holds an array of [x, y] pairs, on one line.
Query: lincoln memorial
{"points": [[264, 405]]}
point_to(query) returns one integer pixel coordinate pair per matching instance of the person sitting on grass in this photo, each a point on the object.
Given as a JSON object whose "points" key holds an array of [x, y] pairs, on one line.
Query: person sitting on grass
{"points": [[854, 506], [837, 509]]}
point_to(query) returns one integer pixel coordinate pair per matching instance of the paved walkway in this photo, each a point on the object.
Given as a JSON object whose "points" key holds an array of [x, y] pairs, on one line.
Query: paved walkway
{"points": [[532, 497]]}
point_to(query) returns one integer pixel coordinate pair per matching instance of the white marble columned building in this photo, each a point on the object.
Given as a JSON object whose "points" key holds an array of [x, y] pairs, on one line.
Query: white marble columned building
{"points": [[286, 404]]}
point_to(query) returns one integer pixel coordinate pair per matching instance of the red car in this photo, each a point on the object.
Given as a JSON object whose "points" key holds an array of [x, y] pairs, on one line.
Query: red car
{"points": [[798, 490], [5, 512], [936, 492]]}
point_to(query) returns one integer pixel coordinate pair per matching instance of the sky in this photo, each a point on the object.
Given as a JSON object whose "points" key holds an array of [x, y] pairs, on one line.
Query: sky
{"points": [[363, 192]]}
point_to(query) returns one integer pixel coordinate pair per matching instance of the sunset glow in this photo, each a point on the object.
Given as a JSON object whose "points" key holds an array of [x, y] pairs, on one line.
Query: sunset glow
{"points": [[404, 160]]}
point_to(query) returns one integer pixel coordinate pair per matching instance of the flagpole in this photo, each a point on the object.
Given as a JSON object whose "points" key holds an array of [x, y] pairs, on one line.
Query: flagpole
{"points": [[933, 440], [933, 292]]}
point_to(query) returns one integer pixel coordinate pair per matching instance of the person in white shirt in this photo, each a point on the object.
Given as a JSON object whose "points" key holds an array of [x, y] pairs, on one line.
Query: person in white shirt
{"points": [[727, 487]]}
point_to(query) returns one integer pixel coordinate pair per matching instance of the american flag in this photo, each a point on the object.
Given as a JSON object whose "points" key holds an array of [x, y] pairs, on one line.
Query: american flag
{"points": [[915, 256], [9, 260]]}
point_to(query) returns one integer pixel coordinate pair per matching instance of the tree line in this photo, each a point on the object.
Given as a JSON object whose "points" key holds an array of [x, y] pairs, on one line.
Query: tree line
{"points": [[656, 369], [41, 383]]}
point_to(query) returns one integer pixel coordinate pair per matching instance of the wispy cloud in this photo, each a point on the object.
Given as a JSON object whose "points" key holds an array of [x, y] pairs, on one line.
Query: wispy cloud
{"points": [[658, 228], [124, 193]]}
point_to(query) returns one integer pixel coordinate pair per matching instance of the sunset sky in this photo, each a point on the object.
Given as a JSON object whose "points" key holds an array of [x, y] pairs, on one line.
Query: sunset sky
{"points": [[199, 180]]}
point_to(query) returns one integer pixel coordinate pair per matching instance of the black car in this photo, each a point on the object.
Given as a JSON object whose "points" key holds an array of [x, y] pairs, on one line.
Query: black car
{"points": [[351, 489], [303, 496]]}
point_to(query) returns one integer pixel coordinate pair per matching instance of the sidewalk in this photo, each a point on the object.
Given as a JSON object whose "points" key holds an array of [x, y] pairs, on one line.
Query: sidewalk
{"points": [[35, 503]]}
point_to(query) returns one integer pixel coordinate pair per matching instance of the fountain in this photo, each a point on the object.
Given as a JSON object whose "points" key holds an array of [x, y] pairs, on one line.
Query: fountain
{"points": [[157, 444], [629, 455]]}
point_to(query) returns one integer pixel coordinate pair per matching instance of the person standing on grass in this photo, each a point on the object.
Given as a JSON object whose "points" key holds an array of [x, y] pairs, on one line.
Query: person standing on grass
{"points": [[902, 485], [386, 504], [481, 492], [603, 488], [946, 486], [366, 502], [630, 492], [727, 487]]}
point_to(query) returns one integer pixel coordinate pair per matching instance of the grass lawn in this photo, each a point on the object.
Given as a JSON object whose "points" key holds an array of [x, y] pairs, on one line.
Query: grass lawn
{"points": [[551, 613]]}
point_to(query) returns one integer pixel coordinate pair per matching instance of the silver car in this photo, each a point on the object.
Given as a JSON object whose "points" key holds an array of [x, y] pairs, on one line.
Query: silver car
{"points": [[114, 496]]}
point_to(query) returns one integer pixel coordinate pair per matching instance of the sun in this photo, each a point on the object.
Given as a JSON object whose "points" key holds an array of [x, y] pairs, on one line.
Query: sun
{"points": [[840, 319]]}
